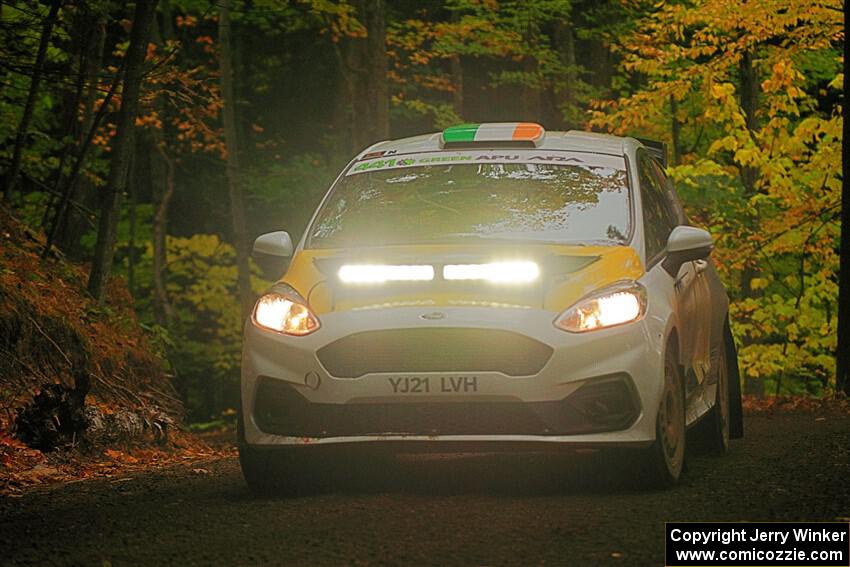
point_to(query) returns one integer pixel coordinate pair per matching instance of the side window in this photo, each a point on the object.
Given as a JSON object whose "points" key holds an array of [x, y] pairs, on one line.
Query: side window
{"points": [[670, 193], [659, 217]]}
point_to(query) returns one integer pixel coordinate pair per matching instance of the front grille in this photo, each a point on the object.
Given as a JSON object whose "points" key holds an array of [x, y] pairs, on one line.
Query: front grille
{"points": [[434, 350], [281, 410]]}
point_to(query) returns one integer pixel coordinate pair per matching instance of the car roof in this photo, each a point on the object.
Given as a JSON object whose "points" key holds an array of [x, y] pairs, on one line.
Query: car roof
{"points": [[572, 140]]}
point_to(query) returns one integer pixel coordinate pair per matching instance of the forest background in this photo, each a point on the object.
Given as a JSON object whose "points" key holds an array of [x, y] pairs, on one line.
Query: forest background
{"points": [[153, 141]]}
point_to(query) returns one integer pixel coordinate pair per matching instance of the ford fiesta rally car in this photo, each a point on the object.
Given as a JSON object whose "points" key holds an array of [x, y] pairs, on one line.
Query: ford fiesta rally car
{"points": [[491, 287]]}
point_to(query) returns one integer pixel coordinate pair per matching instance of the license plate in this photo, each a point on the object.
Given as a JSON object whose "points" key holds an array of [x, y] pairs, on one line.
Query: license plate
{"points": [[433, 384]]}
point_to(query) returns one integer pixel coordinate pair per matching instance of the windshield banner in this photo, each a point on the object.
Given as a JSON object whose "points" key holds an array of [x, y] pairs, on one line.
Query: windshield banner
{"points": [[387, 160]]}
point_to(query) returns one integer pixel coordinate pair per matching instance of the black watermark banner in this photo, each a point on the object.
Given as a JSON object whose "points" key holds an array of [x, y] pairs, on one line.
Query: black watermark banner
{"points": [[744, 544]]}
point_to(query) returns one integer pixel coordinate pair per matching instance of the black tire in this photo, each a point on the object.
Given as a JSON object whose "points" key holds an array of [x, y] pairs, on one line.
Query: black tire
{"points": [[736, 410], [663, 463], [267, 472], [260, 471]]}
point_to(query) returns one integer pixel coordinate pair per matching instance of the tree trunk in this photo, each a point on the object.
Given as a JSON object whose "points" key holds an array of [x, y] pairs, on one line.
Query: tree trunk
{"points": [[531, 95], [73, 177], [162, 188], [237, 212], [167, 25], [80, 40], [456, 74], [676, 129], [457, 83], [133, 193], [566, 106], [531, 100], [162, 306], [73, 223], [26, 117], [599, 62], [749, 104], [94, 60], [117, 178], [344, 102], [749, 175], [842, 353], [366, 63], [2, 71]]}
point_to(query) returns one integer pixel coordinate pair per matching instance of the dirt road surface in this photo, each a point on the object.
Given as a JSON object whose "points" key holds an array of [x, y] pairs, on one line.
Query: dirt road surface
{"points": [[494, 510]]}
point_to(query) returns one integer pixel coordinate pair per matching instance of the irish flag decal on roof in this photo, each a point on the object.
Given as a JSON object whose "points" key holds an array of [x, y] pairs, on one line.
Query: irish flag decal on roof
{"points": [[494, 132]]}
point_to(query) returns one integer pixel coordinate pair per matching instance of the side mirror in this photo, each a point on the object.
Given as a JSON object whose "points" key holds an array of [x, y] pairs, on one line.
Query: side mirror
{"points": [[272, 252], [686, 244]]}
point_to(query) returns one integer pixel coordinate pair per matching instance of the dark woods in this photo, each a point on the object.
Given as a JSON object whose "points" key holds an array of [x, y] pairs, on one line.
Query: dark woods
{"points": [[153, 141]]}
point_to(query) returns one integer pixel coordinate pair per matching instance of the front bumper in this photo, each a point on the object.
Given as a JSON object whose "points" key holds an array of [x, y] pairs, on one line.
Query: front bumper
{"points": [[598, 388]]}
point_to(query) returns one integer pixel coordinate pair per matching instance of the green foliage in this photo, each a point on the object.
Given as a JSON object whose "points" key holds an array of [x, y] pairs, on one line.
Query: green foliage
{"points": [[283, 196], [765, 179], [531, 42], [203, 338]]}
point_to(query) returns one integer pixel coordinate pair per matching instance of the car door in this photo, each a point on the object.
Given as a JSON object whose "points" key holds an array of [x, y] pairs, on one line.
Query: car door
{"points": [[712, 306], [660, 216], [705, 333]]}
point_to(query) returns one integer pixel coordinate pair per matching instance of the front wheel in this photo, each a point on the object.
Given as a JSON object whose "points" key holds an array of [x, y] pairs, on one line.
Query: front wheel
{"points": [[664, 461], [267, 472], [260, 471]]}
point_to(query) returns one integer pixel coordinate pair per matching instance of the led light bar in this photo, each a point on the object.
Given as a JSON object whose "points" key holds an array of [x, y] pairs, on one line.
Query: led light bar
{"points": [[495, 272], [378, 273]]}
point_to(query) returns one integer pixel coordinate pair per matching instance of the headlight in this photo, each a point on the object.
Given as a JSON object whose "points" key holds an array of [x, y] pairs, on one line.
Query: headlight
{"points": [[285, 313], [616, 305]]}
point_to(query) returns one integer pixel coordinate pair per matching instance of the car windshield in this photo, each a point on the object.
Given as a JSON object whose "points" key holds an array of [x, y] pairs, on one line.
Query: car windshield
{"points": [[584, 201]]}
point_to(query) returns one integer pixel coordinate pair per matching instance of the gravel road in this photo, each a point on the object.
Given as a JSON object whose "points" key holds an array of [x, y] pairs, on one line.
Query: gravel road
{"points": [[484, 511]]}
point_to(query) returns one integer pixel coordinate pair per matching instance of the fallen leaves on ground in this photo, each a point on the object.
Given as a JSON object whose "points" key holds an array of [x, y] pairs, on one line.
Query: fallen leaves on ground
{"points": [[777, 404], [23, 468]]}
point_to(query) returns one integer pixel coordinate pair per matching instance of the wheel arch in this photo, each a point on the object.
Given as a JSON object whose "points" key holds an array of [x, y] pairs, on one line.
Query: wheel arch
{"points": [[672, 339]]}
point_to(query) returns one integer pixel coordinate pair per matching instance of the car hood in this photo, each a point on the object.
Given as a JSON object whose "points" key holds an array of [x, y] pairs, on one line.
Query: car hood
{"points": [[568, 273]]}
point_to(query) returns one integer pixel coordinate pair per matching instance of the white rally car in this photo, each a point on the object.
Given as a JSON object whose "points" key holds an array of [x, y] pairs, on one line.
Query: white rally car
{"points": [[489, 287]]}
